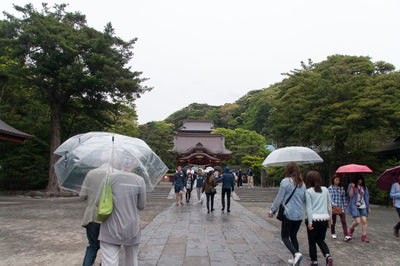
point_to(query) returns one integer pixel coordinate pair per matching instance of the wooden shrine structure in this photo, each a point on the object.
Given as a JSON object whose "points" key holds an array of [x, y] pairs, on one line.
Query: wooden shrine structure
{"points": [[9, 133], [196, 145]]}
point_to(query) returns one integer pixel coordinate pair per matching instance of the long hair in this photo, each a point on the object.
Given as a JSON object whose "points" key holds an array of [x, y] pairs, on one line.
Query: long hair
{"points": [[358, 177], [334, 177], [293, 170], [313, 179]]}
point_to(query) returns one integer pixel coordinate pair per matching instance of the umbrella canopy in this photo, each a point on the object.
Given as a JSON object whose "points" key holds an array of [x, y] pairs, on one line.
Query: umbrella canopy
{"points": [[106, 153], [388, 178], [353, 168], [300, 155]]}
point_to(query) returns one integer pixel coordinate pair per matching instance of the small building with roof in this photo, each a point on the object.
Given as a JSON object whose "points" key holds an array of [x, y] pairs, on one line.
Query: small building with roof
{"points": [[196, 145], [9, 133]]}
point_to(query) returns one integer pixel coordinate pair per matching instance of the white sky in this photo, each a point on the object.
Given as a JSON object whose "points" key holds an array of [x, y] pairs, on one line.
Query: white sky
{"points": [[216, 51]]}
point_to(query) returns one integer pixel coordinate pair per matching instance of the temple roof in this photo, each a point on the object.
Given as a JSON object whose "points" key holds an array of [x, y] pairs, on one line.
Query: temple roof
{"points": [[197, 126], [9, 133], [212, 143]]}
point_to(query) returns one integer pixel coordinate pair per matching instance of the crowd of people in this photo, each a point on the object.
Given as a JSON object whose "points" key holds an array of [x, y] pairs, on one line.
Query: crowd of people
{"points": [[321, 205]]}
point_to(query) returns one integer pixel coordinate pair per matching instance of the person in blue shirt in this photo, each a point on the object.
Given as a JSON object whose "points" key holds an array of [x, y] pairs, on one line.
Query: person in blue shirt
{"points": [[293, 214], [178, 183], [228, 186], [199, 183], [240, 178], [250, 179], [395, 195]]}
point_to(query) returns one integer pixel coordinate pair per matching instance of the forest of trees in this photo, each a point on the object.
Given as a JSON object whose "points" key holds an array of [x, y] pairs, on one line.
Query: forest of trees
{"points": [[59, 77]]}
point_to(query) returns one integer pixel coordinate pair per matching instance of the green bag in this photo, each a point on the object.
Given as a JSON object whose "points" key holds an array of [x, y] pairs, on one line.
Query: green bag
{"points": [[105, 202]]}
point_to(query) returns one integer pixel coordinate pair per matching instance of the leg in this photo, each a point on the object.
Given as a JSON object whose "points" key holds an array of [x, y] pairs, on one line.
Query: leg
{"points": [[356, 222], [312, 247], [212, 201], [364, 225], [321, 228], [92, 233], [198, 193], [131, 255], [208, 196], [344, 224], [186, 195], [109, 254], [333, 224], [293, 234], [285, 234], [223, 199], [177, 199], [397, 226], [228, 199]]}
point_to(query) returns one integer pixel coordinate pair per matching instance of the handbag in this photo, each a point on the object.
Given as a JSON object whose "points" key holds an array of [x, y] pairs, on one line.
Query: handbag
{"points": [[282, 207], [213, 190], [336, 210], [105, 207]]}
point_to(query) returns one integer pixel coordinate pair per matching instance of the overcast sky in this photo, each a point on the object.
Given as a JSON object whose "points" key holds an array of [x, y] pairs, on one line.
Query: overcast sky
{"points": [[216, 51]]}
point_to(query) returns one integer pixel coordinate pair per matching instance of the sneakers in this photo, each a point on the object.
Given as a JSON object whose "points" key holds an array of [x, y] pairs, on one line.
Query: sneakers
{"points": [[347, 238], [329, 261], [364, 238], [298, 257], [290, 261], [396, 232], [333, 236], [351, 231]]}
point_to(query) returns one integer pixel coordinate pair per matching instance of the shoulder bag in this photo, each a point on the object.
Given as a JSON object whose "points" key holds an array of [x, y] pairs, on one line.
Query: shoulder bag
{"points": [[282, 207], [105, 207]]}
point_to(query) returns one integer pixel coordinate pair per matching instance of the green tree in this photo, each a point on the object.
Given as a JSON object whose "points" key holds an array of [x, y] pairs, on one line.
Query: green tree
{"points": [[65, 62]]}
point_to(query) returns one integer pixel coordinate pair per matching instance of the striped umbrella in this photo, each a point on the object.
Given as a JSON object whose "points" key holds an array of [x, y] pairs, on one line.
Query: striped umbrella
{"points": [[387, 178]]}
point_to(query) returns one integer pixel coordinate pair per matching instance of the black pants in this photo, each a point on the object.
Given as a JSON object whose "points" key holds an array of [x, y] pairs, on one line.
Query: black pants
{"points": [[92, 233], [188, 194], [210, 196], [289, 231], [317, 236], [240, 182], [398, 224], [226, 191]]}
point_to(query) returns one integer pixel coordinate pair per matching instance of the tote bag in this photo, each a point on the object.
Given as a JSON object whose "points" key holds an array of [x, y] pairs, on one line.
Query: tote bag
{"points": [[105, 202]]}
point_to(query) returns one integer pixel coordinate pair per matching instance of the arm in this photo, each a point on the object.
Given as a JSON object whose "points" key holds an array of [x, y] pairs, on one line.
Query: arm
{"points": [[279, 197], [173, 180], [329, 204], [308, 208], [141, 200], [393, 193], [350, 190]]}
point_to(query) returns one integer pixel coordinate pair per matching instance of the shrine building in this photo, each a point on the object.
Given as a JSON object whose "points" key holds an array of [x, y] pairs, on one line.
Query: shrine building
{"points": [[197, 146]]}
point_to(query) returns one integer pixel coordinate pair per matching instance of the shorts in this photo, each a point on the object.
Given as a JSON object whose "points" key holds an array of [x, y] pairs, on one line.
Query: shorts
{"points": [[361, 212], [178, 189]]}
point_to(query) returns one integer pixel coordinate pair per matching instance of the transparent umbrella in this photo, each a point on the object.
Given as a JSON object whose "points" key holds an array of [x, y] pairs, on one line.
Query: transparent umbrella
{"points": [[300, 155], [104, 153]]}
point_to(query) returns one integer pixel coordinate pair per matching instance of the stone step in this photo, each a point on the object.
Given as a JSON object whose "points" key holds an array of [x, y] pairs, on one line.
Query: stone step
{"points": [[257, 194]]}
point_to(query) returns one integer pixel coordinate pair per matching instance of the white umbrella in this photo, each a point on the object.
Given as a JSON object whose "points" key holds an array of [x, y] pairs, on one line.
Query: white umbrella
{"points": [[300, 155]]}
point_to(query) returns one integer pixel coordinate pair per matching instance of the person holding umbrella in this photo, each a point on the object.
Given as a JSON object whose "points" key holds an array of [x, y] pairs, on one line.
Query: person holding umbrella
{"points": [[359, 205], [209, 188], [178, 183], [395, 195], [122, 227]]}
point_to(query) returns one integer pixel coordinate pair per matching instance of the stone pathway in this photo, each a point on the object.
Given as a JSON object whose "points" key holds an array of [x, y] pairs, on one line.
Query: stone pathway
{"points": [[189, 236]]}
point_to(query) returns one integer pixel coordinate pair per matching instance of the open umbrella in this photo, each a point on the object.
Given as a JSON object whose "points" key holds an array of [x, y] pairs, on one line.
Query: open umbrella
{"points": [[300, 155], [388, 178], [354, 168], [106, 153]]}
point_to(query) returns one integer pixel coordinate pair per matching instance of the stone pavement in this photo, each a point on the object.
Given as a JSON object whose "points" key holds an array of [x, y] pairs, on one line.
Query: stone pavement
{"points": [[188, 235]]}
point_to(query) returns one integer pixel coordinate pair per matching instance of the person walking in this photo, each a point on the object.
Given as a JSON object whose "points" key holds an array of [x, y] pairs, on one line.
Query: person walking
{"points": [[189, 185], [240, 177], [228, 186], [395, 195], [250, 179], [338, 200], [90, 186], [178, 183], [318, 212], [199, 184], [209, 188], [122, 227], [359, 205], [292, 196]]}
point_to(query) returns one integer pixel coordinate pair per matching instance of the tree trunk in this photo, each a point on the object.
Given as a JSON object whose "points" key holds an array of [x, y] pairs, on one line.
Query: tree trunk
{"points": [[53, 186]]}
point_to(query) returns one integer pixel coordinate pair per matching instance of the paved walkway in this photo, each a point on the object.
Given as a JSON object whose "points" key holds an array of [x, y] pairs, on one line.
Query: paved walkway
{"points": [[189, 236]]}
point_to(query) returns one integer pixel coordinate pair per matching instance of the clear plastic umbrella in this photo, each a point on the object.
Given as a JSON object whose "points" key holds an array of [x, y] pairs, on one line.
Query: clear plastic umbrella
{"points": [[104, 153], [300, 155]]}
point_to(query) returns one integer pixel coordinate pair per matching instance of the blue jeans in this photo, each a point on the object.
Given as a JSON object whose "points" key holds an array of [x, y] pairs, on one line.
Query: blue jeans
{"points": [[92, 233]]}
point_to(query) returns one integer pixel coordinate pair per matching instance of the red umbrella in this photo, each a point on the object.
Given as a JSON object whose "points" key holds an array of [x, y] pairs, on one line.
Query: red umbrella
{"points": [[387, 178], [354, 168]]}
